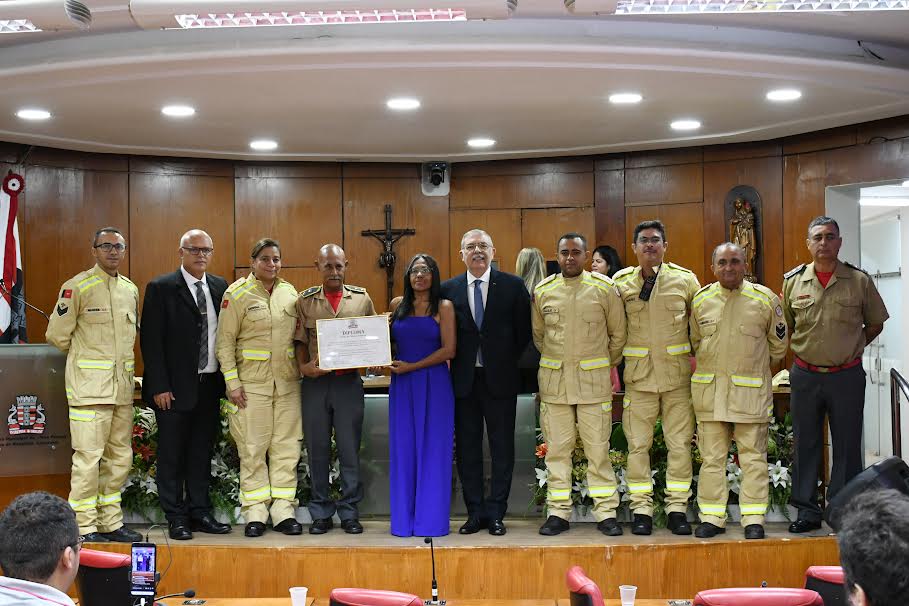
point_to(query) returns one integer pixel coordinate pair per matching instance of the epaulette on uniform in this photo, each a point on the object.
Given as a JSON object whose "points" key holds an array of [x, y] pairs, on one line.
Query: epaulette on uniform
{"points": [[764, 290], [602, 278], [848, 264], [794, 271], [546, 280], [678, 267], [623, 273], [310, 291], [703, 288], [357, 289], [236, 285]]}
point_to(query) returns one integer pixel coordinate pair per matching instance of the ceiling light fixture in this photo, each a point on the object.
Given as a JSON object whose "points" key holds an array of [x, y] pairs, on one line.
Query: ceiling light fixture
{"points": [[625, 98], [17, 26], [263, 144], [681, 7], [481, 142], [376, 17], [403, 103], [23, 16], [32, 113], [178, 111], [685, 125], [784, 94]]}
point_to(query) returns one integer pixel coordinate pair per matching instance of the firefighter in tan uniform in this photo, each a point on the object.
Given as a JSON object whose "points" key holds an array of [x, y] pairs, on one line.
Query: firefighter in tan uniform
{"points": [[579, 328], [331, 400], [94, 323], [737, 330], [256, 351], [657, 298], [833, 311]]}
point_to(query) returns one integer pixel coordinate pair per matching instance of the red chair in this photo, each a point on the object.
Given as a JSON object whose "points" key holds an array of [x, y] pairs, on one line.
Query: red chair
{"points": [[582, 590], [829, 582], [348, 596], [758, 596], [103, 578]]}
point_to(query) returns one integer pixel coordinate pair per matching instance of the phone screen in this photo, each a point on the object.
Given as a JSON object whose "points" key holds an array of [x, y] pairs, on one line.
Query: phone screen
{"points": [[143, 569]]}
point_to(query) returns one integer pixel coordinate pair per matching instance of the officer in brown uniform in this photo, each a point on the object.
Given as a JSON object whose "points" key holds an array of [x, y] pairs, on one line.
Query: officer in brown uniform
{"points": [[331, 399], [94, 323], [737, 329], [579, 329], [833, 311], [657, 299]]}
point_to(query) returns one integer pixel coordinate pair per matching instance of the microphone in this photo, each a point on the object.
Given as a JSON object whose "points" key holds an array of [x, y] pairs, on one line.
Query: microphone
{"points": [[6, 291], [435, 586], [189, 593]]}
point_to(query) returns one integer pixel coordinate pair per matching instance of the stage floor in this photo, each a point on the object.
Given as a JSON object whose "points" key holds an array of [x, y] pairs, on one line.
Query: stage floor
{"points": [[520, 565]]}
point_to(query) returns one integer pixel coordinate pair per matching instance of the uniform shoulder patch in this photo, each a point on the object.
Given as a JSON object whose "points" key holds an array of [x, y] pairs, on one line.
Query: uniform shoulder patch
{"points": [[546, 280], [848, 264], [678, 267], [794, 271], [310, 291], [357, 289], [602, 278]]}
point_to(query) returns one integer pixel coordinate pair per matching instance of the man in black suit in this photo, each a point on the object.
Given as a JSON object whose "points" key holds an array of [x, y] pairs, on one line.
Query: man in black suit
{"points": [[179, 323], [493, 316]]}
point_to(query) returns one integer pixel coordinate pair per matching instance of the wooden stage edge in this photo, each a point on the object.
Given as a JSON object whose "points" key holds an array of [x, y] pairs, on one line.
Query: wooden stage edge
{"points": [[522, 565]]}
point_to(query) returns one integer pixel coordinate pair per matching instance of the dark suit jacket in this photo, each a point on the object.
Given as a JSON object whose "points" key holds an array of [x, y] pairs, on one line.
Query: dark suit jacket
{"points": [[171, 335], [504, 335]]}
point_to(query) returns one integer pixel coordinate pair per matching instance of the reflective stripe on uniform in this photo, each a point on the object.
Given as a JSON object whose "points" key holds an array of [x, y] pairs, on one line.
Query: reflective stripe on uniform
{"points": [[602, 491], [712, 509], [626, 402], [550, 363], [129, 365], [703, 296], [88, 283], [255, 354], [594, 363], [599, 284], [229, 406], [677, 350], [757, 296], [702, 377], [635, 352], [242, 290], [109, 499], [559, 494], [753, 509], [230, 375], [81, 415], [549, 286], [606, 406], [639, 487], [283, 492], [672, 486], [95, 364], [84, 504], [290, 353], [260, 494], [747, 381], [70, 393]]}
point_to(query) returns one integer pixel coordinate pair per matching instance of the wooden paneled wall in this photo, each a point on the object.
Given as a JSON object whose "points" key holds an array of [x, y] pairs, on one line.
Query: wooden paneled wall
{"points": [[520, 202]]}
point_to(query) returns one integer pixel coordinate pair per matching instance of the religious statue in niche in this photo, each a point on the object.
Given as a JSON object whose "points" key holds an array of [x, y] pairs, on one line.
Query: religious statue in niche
{"points": [[743, 220]]}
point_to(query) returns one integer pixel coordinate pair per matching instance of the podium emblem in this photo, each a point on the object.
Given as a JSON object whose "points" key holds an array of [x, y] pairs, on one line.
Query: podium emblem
{"points": [[26, 416]]}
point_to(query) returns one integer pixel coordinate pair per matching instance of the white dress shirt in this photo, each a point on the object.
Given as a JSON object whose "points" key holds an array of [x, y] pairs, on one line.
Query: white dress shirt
{"points": [[472, 284], [17, 592], [212, 317]]}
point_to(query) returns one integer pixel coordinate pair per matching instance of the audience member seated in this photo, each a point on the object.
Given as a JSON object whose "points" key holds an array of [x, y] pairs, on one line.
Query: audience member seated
{"points": [[39, 551], [874, 548]]}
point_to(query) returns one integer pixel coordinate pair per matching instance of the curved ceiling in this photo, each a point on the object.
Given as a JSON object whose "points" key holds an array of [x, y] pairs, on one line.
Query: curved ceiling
{"points": [[537, 83]]}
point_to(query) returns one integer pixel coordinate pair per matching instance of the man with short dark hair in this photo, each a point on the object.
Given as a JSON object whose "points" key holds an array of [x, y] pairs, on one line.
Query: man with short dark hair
{"points": [[833, 311], [874, 548], [39, 551]]}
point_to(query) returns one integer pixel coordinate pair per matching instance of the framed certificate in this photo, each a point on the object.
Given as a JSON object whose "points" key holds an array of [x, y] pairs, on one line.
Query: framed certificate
{"points": [[358, 342]]}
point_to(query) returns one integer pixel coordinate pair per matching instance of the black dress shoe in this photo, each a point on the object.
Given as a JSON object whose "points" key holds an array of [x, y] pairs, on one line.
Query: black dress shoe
{"points": [[496, 527], [642, 524], [610, 527], [178, 530], [352, 526], [254, 529], [208, 524], [554, 525], [95, 537], [123, 535], [289, 527], [706, 530], [472, 525], [678, 523], [754, 531], [321, 526], [800, 526]]}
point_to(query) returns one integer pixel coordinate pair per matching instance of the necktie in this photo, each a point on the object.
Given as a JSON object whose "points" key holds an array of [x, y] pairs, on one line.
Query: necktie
{"points": [[203, 325], [478, 311]]}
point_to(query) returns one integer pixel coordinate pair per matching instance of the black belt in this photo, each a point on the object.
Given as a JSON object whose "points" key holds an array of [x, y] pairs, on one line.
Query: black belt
{"points": [[207, 376]]}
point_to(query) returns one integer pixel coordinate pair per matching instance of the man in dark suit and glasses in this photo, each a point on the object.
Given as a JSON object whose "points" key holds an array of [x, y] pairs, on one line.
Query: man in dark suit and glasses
{"points": [[179, 323], [492, 309]]}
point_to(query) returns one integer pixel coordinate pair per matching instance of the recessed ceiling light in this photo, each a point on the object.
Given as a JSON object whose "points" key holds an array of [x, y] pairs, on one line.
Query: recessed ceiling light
{"points": [[263, 144], [685, 125], [178, 111], [481, 142], [625, 98], [784, 94], [32, 113], [403, 103]]}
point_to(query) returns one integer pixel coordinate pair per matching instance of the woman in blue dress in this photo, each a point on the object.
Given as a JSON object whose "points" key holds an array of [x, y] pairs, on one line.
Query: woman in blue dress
{"points": [[421, 404]]}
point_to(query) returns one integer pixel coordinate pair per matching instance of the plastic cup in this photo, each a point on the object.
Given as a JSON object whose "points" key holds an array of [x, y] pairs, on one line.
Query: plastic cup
{"points": [[298, 596], [627, 593]]}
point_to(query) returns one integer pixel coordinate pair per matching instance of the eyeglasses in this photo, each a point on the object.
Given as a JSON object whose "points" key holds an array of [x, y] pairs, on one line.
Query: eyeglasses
{"points": [[481, 246], [195, 250], [421, 271], [653, 240], [107, 247], [79, 542]]}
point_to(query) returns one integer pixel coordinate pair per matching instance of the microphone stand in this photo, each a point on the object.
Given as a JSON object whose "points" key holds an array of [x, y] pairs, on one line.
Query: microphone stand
{"points": [[6, 291], [435, 586]]}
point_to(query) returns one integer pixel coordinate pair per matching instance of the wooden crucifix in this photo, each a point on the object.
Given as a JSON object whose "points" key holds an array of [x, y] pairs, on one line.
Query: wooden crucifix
{"points": [[387, 258]]}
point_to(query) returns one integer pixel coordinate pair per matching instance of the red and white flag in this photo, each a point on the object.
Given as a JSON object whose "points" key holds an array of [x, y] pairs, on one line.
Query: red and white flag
{"points": [[12, 303]]}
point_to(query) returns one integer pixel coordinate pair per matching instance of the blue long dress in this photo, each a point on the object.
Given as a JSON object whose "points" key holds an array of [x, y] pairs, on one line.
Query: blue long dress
{"points": [[420, 434]]}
